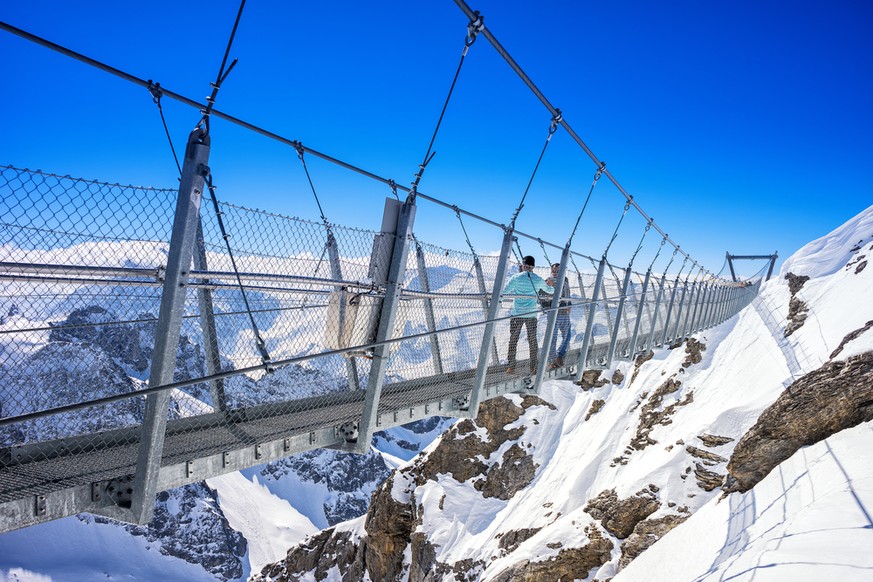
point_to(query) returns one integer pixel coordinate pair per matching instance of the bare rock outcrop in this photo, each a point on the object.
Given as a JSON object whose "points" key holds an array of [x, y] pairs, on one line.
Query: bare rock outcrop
{"points": [[693, 351], [652, 414], [391, 548], [646, 533], [641, 359], [620, 516], [569, 564], [596, 407], [852, 335], [591, 379], [836, 396], [797, 309]]}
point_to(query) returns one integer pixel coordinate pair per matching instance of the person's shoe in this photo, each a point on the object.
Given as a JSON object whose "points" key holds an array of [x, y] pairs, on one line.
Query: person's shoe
{"points": [[510, 370], [554, 365], [559, 362]]}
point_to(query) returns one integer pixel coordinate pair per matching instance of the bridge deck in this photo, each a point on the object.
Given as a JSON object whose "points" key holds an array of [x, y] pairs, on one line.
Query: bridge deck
{"points": [[239, 438]]}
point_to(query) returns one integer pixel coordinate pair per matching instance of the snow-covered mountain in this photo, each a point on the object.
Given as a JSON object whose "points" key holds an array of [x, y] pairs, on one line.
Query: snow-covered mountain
{"points": [[746, 448], [576, 483]]}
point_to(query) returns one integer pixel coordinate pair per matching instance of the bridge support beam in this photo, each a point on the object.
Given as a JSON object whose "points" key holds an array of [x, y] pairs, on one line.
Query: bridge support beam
{"points": [[396, 272], [488, 334], [650, 340], [151, 445], [589, 325]]}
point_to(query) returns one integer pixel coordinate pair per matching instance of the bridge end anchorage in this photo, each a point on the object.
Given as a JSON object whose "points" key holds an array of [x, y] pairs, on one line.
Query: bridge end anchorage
{"points": [[771, 259]]}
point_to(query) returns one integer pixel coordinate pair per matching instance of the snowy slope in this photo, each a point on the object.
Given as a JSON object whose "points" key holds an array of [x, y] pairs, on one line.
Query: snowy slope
{"points": [[597, 475]]}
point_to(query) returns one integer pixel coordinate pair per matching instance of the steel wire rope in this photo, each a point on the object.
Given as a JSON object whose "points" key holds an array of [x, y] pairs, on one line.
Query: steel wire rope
{"points": [[597, 175], [155, 90], [207, 174], [259, 340], [617, 226], [236, 121], [536, 91], [658, 253], [553, 127], [473, 28]]}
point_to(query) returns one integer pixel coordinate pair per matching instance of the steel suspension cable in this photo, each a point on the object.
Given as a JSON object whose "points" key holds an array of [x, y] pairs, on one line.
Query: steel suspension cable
{"points": [[660, 247], [259, 341], [535, 90], [553, 127], [222, 73], [473, 28], [617, 226], [155, 90], [597, 175], [639, 246]]}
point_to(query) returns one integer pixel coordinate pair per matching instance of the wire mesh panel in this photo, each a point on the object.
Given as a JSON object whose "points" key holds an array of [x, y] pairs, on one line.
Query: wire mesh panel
{"points": [[79, 294]]}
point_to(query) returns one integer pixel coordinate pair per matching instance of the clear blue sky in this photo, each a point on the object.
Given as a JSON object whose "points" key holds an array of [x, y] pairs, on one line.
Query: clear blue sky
{"points": [[739, 126]]}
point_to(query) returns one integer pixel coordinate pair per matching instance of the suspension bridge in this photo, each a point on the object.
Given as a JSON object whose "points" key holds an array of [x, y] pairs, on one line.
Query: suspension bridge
{"points": [[158, 337]]}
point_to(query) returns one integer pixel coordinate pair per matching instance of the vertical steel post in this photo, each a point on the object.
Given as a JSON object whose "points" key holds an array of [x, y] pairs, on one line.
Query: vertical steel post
{"points": [[618, 315], [552, 317], [679, 311], [207, 325], [667, 320], [424, 284], [698, 307], [650, 339], [181, 253], [589, 325], [379, 364], [488, 333], [336, 273], [642, 302], [480, 279], [772, 264]]}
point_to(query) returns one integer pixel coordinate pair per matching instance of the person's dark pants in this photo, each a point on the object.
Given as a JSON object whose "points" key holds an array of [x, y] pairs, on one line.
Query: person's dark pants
{"points": [[515, 325]]}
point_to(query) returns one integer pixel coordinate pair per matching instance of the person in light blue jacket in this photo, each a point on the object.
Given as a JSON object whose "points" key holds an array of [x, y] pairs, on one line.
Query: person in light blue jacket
{"points": [[524, 310]]}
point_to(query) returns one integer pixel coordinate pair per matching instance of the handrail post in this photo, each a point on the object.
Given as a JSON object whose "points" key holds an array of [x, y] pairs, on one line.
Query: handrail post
{"points": [[640, 304], [181, 253], [379, 364], [589, 324], [488, 333], [552, 318], [667, 320], [679, 311], [650, 338], [429, 317], [618, 315]]}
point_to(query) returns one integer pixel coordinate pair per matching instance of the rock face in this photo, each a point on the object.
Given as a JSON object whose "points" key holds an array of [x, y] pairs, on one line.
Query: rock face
{"points": [[569, 564], [620, 516], [797, 309], [837, 396], [591, 379], [392, 548], [646, 533]]}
